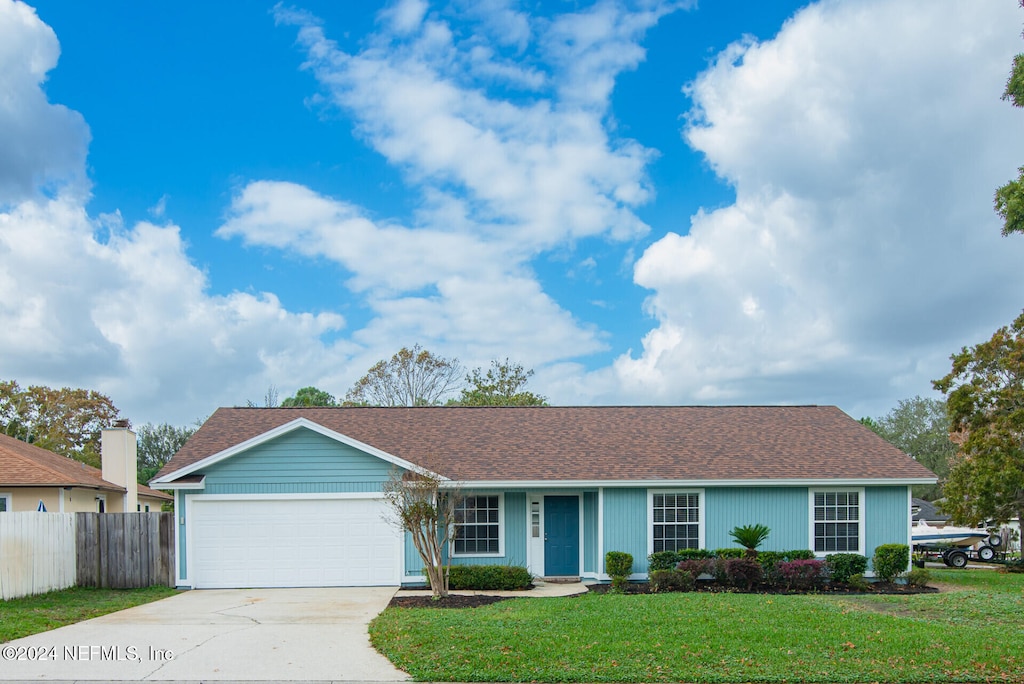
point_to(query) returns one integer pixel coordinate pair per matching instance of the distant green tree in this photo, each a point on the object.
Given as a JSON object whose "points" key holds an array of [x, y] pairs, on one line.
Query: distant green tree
{"points": [[310, 396], [504, 384], [156, 444], [919, 427], [985, 394]]}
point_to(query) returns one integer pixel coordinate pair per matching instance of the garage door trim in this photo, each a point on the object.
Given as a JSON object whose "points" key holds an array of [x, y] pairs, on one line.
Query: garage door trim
{"points": [[190, 581]]}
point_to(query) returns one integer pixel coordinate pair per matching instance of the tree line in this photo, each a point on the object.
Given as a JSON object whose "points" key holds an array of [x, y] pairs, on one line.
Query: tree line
{"points": [[68, 421]]}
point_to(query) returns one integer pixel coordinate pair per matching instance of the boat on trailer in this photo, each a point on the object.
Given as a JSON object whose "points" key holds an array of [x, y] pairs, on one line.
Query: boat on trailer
{"points": [[954, 544]]}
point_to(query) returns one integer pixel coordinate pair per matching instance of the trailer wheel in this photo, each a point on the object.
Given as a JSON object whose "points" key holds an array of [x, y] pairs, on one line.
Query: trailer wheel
{"points": [[956, 559], [986, 553], [995, 540]]}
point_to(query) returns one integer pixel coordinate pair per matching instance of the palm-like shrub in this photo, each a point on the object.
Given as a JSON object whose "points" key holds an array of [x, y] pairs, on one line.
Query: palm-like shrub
{"points": [[750, 537]]}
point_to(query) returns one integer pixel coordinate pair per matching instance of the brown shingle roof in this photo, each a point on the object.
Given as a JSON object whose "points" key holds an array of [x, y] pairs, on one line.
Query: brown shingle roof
{"points": [[25, 465], [591, 443]]}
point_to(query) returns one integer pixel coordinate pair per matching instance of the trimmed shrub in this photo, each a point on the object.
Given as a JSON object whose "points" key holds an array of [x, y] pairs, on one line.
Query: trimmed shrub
{"points": [[729, 553], [662, 560], [743, 572], [800, 554], [858, 583], [696, 568], [671, 580], [717, 568], [843, 566], [619, 566], [801, 573], [890, 561], [489, 577], [918, 577]]}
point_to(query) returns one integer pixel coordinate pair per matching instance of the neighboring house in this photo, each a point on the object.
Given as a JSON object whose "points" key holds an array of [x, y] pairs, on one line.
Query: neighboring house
{"points": [[33, 479], [292, 497], [926, 512]]}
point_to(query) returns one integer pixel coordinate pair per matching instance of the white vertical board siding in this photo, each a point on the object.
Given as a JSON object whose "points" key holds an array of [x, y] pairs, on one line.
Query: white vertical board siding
{"points": [[293, 542], [37, 553]]}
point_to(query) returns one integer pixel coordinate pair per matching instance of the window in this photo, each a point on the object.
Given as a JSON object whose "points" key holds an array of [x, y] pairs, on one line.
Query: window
{"points": [[5, 503], [676, 517], [535, 519], [837, 521], [478, 526], [101, 504]]}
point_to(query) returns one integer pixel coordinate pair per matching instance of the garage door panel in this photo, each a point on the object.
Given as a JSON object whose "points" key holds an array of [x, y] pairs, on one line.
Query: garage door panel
{"points": [[293, 542]]}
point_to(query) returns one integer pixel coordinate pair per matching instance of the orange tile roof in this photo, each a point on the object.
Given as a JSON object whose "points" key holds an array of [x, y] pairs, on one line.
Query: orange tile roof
{"points": [[25, 465], [591, 443]]}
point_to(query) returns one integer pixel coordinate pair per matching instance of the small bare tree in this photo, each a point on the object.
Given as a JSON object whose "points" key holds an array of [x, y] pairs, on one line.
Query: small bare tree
{"points": [[427, 512]]}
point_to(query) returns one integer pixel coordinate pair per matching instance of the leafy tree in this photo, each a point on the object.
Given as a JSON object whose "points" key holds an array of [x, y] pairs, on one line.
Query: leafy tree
{"points": [[412, 377], [1009, 200], [920, 428], [502, 385], [310, 396], [156, 445], [427, 513], [985, 397], [66, 421]]}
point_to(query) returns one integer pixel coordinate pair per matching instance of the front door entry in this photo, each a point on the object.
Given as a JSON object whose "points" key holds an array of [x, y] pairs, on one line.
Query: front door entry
{"points": [[561, 536]]}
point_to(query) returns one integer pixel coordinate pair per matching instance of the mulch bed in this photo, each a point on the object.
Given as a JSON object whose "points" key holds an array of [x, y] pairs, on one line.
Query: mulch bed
{"points": [[450, 601], [830, 589], [476, 600]]}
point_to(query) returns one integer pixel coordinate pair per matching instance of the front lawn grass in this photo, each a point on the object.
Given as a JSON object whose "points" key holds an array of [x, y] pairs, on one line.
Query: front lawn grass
{"points": [[714, 638], [22, 617]]}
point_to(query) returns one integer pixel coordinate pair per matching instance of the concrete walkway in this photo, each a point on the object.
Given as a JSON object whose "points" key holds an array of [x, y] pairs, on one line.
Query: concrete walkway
{"points": [[215, 635]]}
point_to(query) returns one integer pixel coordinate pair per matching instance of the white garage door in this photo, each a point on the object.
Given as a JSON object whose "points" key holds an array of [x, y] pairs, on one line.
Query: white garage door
{"points": [[293, 543]]}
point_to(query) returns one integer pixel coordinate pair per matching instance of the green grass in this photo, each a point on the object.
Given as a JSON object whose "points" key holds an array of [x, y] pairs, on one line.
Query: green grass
{"points": [[21, 617], [717, 638]]}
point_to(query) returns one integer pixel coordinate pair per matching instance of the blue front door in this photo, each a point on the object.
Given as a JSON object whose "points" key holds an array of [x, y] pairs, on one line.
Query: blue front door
{"points": [[561, 536]]}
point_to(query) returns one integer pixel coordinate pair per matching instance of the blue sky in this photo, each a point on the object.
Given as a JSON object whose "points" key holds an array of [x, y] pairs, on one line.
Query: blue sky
{"points": [[647, 203]]}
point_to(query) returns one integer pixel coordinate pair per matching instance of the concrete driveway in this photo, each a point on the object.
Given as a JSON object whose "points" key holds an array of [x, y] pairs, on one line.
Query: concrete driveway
{"points": [[230, 634]]}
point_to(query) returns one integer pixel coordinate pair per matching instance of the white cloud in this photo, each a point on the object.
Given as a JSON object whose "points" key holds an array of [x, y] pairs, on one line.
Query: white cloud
{"points": [[131, 316], [864, 143], [500, 180], [543, 170], [43, 144], [85, 302]]}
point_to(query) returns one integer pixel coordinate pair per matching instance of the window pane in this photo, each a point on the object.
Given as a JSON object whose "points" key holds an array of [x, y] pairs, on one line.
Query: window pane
{"points": [[836, 521], [675, 519], [477, 525]]}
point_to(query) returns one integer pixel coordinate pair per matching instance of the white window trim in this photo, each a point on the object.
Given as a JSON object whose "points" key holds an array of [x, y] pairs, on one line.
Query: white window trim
{"points": [[103, 498], [700, 514], [501, 529], [9, 500], [862, 506]]}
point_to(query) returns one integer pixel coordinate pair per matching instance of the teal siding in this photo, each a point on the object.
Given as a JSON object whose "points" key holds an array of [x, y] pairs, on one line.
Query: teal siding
{"points": [[784, 510], [625, 525], [590, 532], [515, 535], [299, 462], [515, 539], [886, 517]]}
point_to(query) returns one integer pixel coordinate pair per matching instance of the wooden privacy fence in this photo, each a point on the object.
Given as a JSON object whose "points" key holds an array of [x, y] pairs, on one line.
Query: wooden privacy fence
{"points": [[37, 553], [42, 552], [125, 550]]}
